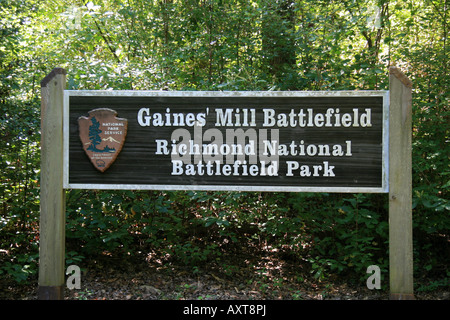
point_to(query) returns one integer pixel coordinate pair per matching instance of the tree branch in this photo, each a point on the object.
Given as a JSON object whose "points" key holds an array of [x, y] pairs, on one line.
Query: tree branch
{"points": [[107, 41]]}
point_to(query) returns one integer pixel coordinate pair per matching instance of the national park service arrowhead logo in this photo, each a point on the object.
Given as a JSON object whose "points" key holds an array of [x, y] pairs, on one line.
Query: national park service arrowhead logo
{"points": [[102, 135]]}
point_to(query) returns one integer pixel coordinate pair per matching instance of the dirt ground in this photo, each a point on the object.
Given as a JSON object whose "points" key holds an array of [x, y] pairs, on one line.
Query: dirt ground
{"points": [[245, 278]]}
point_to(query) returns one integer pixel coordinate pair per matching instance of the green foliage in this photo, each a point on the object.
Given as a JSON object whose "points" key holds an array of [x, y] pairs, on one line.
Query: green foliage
{"points": [[346, 233], [19, 194], [223, 45], [443, 282]]}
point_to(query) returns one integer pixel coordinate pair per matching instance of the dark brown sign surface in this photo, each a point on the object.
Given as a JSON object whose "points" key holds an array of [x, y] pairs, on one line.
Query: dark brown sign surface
{"points": [[102, 136], [248, 141]]}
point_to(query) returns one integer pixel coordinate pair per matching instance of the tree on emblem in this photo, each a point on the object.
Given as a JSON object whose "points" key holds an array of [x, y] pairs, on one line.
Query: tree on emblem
{"points": [[94, 136]]}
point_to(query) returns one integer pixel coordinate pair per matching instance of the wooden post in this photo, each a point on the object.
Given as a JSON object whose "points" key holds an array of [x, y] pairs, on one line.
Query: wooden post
{"points": [[52, 220], [400, 187]]}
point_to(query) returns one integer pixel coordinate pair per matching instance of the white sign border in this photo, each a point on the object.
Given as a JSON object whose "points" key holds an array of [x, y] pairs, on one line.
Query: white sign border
{"points": [[227, 94]]}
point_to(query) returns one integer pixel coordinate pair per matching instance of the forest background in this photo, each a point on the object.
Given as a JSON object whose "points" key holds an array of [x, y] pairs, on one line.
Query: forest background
{"points": [[225, 45]]}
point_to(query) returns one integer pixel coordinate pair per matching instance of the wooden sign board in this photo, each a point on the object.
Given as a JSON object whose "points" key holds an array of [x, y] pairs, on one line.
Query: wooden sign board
{"points": [[236, 141], [348, 141]]}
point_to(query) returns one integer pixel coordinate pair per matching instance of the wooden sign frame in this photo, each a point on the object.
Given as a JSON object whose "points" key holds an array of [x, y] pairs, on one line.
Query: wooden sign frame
{"points": [[397, 171]]}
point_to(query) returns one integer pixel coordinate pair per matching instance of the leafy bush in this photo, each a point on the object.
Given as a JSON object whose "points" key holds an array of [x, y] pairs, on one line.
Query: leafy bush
{"points": [[346, 233]]}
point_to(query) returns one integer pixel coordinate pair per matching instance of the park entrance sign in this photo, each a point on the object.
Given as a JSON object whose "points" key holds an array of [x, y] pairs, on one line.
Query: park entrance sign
{"points": [[241, 141], [341, 141]]}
